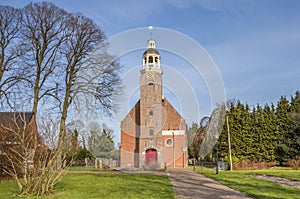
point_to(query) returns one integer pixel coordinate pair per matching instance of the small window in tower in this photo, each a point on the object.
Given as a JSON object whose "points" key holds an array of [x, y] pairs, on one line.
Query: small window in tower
{"points": [[151, 112], [150, 84], [151, 132], [150, 59], [156, 60]]}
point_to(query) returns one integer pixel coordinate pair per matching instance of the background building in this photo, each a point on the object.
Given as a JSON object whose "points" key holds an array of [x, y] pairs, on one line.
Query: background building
{"points": [[18, 131]]}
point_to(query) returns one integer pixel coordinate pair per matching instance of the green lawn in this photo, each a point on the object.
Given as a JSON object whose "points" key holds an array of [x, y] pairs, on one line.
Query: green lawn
{"points": [[103, 185], [241, 180]]}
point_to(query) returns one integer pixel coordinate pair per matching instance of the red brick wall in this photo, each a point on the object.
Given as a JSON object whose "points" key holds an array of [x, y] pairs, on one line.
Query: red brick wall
{"points": [[180, 157], [174, 121], [131, 144], [127, 150], [129, 134]]}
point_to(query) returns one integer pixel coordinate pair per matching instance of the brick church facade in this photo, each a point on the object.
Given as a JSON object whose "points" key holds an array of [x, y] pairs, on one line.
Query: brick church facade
{"points": [[153, 133]]}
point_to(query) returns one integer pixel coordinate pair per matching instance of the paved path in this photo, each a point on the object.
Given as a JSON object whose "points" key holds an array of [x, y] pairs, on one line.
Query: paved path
{"points": [[188, 184]]}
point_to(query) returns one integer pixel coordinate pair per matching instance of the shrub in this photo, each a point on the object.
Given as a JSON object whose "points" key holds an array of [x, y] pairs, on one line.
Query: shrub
{"points": [[253, 165], [294, 163], [235, 161], [106, 168]]}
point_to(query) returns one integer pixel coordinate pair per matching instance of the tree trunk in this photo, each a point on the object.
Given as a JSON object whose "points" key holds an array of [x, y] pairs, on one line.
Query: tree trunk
{"points": [[1, 73], [62, 128], [36, 89], [35, 100]]}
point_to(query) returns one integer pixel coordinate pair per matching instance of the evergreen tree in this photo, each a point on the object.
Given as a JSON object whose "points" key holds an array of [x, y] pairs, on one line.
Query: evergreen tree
{"points": [[193, 150], [263, 133], [294, 136], [286, 126], [270, 134], [100, 142]]}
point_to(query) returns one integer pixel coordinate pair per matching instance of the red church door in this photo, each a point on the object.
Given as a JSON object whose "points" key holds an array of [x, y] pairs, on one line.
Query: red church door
{"points": [[151, 156]]}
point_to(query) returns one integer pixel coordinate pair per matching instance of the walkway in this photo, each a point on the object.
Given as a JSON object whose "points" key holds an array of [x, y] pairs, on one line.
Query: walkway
{"points": [[188, 184]]}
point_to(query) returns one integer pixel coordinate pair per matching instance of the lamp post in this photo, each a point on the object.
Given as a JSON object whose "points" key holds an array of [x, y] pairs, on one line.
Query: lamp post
{"points": [[217, 164], [229, 145], [173, 150], [184, 149]]}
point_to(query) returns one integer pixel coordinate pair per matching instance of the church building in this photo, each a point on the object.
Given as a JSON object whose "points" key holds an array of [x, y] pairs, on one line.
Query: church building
{"points": [[153, 134]]}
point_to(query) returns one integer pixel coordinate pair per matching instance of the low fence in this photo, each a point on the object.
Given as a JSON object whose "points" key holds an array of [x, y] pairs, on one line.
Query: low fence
{"points": [[98, 163], [210, 164]]}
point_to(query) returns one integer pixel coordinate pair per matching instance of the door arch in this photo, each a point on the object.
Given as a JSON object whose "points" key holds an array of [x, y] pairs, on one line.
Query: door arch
{"points": [[151, 156]]}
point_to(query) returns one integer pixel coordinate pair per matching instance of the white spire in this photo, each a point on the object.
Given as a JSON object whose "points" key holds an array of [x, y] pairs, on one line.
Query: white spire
{"points": [[151, 57], [150, 28], [151, 42]]}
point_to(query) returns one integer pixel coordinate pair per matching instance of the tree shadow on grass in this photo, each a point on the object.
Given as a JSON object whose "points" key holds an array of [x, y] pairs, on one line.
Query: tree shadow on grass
{"points": [[262, 189]]}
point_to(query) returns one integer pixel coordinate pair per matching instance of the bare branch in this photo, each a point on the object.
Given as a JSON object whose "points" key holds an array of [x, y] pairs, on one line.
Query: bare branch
{"points": [[10, 49], [44, 32], [90, 73], [26, 159]]}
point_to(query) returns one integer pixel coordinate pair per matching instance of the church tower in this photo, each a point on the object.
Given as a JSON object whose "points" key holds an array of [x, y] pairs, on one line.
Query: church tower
{"points": [[151, 91], [151, 111]]}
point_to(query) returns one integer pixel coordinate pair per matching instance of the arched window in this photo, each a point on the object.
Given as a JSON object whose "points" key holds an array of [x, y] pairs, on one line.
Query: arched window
{"points": [[151, 112], [151, 132], [156, 60], [150, 59], [150, 84]]}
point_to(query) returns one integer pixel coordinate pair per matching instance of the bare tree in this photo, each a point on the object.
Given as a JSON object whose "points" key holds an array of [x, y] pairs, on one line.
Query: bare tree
{"points": [[44, 32], [90, 72], [10, 50], [19, 139], [213, 131], [32, 164], [48, 128], [195, 137], [64, 59]]}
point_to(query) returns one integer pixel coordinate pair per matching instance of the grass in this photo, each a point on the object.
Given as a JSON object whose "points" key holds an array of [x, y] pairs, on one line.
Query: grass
{"points": [[242, 181], [102, 185]]}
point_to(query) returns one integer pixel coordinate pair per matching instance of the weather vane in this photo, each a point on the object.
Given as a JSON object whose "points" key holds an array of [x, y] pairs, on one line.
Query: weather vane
{"points": [[150, 28]]}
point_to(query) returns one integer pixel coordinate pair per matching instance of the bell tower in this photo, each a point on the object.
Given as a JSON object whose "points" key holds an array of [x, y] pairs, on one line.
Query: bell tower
{"points": [[150, 91], [151, 111]]}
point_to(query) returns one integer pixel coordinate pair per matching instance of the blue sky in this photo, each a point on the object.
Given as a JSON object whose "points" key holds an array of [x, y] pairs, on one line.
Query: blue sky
{"points": [[255, 44]]}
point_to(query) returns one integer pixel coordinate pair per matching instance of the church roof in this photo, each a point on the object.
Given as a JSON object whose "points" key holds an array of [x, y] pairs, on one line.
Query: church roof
{"points": [[135, 110], [13, 119], [151, 51]]}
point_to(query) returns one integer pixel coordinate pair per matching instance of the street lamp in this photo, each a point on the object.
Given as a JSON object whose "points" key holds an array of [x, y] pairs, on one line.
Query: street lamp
{"points": [[184, 149], [173, 150], [217, 165]]}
